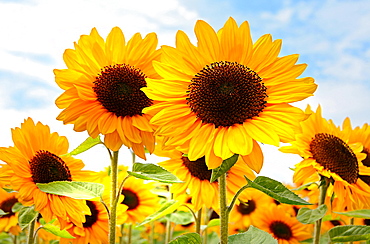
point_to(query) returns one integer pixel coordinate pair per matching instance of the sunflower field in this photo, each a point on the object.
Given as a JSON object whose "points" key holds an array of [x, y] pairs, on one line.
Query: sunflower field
{"points": [[205, 107]]}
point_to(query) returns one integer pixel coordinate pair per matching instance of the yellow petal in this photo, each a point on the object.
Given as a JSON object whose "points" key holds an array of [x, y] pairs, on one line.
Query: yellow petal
{"points": [[255, 159], [261, 132], [238, 140], [208, 43]]}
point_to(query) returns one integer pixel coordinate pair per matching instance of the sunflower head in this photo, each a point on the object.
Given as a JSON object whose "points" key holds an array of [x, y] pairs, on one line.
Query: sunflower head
{"points": [[103, 84], [220, 97], [38, 156], [329, 151], [283, 227]]}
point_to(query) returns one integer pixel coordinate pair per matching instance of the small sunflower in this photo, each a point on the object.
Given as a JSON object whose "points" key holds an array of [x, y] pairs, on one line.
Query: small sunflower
{"points": [[283, 227], [37, 157], [218, 98], [102, 88], [196, 177], [139, 199], [245, 212], [326, 151], [93, 230], [9, 221], [136, 201]]}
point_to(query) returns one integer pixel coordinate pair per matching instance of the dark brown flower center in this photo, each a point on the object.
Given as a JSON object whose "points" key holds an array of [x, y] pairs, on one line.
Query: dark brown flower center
{"points": [[91, 219], [7, 206], [47, 167], [214, 215], [131, 199], [226, 93], [335, 155], [117, 88], [366, 221], [246, 208], [198, 168], [365, 178], [281, 230], [336, 222], [366, 161]]}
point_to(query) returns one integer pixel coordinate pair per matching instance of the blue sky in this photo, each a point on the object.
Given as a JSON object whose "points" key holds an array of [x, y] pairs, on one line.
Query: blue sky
{"points": [[331, 36]]}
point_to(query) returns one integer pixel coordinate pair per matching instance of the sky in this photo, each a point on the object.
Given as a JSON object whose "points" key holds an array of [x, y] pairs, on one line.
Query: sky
{"points": [[331, 36]]}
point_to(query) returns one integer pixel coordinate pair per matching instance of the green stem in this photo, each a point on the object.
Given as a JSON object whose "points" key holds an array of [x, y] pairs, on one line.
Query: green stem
{"points": [[31, 232], [191, 211], [324, 184], [224, 217], [113, 201], [235, 198], [168, 231], [352, 222], [198, 221], [133, 158], [207, 216], [122, 234], [129, 234]]}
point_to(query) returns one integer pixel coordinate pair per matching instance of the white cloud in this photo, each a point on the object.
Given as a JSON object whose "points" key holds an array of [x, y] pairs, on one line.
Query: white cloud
{"points": [[47, 28]]}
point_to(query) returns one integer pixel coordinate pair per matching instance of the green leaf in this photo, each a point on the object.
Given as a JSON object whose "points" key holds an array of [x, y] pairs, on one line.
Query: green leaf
{"points": [[329, 217], [153, 172], [310, 216], [53, 229], [224, 167], [211, 223], [276, 190], [167, 208], [26, 216], [16, 207], [363, 213], [2, 212], [214, 222], [86, 145], [346, 233], [73, 189], [305, 186], [181, 218], [189, 238], [253, 235]]}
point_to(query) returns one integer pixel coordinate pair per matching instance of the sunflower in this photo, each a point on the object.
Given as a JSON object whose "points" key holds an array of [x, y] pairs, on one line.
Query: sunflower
{"points": [[38, 156], [94, 230], [196, 177], [9, 221], [136, 201], [218, 98], [326, 151], [245, 212], [102, 88], [283, 227], [139, 199]]}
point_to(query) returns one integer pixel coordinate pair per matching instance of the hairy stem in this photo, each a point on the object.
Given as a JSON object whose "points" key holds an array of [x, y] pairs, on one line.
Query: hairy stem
{"points": [[224, 217], [198, 221], [31, 231], [324, 184], [113, 201]]}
